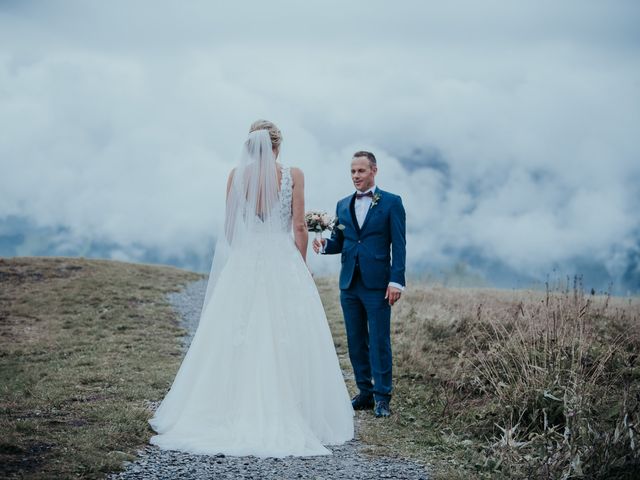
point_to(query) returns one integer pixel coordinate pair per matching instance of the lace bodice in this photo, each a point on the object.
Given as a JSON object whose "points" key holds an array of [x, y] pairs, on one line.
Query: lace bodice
{"points": [[286, 196]]}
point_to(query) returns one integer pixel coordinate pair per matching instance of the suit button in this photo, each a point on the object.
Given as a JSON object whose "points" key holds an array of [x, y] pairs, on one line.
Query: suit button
{"points": [[359, 241]]}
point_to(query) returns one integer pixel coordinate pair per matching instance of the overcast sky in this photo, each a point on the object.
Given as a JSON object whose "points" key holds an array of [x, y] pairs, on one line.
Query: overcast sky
{"points": [[510, 129]]}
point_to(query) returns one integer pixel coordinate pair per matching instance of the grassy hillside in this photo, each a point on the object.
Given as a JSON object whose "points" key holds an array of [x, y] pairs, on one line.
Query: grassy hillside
{"points": [[511, 384], [83, 344], [488, 383]]}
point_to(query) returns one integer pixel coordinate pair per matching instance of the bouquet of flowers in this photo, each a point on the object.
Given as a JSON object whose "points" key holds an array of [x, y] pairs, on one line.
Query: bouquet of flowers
{"points": [[319, 222]]}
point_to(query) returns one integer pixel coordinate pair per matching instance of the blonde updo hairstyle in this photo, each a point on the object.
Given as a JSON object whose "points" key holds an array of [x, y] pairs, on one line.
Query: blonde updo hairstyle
{"points": [[274, 132]]}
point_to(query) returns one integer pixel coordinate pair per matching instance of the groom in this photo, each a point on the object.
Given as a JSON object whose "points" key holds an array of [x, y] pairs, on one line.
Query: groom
{"points": [[370, 235]]}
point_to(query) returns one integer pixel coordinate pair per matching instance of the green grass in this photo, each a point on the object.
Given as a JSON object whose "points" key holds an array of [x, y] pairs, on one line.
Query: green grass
{"points": [[83, 343]]}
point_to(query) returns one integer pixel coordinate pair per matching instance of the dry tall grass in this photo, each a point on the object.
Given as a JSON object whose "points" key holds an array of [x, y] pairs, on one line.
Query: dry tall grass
{"points": [[562, 375], [515, 384]]}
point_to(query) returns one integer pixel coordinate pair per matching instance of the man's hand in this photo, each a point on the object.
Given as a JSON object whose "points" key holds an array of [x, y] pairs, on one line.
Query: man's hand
{"points": [[317, 245], [393, 294]]}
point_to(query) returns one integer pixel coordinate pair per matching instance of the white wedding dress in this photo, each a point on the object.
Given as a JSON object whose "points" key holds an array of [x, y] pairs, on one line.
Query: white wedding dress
{"points": [[261, 376]]}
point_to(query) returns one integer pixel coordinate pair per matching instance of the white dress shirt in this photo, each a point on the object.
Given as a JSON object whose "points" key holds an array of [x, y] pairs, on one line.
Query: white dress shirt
{"points": [[362, 206]]}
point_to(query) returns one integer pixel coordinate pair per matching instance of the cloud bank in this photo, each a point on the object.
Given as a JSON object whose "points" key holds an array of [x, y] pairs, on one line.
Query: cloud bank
{"points": [[510, 130]]}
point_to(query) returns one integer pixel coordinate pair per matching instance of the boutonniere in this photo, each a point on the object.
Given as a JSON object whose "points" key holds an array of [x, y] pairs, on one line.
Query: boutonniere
{"points": [[375, 199], [340, 226]]}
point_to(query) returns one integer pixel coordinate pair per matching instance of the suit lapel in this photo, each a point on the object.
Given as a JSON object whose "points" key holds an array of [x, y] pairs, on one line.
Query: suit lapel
{"points": [[352, 210]]}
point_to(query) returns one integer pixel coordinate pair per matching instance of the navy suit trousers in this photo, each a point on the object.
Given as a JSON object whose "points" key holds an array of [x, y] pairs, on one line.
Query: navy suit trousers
{"points": [[367, 317]]}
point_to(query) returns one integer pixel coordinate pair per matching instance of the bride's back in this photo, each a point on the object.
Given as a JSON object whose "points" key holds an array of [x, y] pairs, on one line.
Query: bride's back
{"points": [[264, 207], [259, 192]]}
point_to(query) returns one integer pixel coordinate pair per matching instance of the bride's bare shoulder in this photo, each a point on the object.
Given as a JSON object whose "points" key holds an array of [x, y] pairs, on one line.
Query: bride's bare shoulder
{"points": [[230, 179], [297, 175]]}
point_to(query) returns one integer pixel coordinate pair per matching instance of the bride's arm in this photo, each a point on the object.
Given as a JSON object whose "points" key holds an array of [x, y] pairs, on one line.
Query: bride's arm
{"points": [[297, 212], [227, 220]]}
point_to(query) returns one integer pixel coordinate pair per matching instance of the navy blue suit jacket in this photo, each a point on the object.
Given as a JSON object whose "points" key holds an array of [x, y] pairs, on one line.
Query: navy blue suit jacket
{"points": [[379, 247]]}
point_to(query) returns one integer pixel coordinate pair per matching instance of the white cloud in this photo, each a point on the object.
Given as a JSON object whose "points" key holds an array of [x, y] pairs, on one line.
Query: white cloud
{"points": [[120, 121]]}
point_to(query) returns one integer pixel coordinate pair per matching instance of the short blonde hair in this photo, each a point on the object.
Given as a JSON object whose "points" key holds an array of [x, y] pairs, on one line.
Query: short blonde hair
{"points": [[274, 132]]}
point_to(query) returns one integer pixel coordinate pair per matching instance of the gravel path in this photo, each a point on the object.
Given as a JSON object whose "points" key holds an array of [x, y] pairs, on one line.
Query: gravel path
{"points": [[346, 462]]}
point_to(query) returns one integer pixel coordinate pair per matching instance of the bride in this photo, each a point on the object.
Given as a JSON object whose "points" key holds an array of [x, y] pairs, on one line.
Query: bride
{"points": [[261, 376]]}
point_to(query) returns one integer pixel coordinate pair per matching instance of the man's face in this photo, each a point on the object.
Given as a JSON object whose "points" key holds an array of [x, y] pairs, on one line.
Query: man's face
{"points": [[362, 173]]}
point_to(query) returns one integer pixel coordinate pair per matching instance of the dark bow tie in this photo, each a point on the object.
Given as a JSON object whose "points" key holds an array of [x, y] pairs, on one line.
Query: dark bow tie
{"points": [[367, 194]]}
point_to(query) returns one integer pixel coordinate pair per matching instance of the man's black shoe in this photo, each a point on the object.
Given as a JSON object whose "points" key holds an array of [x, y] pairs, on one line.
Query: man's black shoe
{"points": [[382, 409], [360, 402]]}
